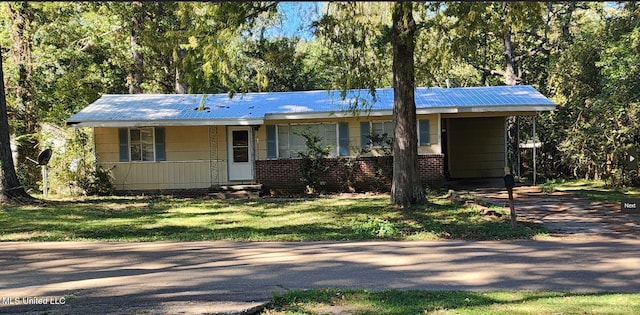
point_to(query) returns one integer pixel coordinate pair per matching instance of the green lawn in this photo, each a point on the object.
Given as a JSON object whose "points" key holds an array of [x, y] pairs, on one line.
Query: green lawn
{"points": [[267, 219], [333, 301], [596, 190]]}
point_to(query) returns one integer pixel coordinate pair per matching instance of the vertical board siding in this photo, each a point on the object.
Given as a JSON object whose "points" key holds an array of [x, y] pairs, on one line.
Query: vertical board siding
{"points": [[165, 175], [476, 147]]}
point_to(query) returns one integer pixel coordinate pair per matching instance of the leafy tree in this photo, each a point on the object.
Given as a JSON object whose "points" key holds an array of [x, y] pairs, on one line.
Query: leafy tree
{"points": [[281, 65], [358, 36]]}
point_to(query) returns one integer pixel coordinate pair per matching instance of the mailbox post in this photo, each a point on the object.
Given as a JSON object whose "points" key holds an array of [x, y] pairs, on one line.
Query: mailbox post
{"points": [[43, 160], [509, 183]]}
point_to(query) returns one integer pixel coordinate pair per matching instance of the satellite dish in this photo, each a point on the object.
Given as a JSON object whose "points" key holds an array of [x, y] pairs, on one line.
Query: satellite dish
{"points": [[44, 157]]}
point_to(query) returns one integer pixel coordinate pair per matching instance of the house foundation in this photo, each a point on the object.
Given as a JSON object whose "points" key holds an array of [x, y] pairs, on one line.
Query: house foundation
{"points": [[357, 174]]}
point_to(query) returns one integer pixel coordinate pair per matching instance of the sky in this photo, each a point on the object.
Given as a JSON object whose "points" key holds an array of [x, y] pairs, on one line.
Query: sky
{"points": [[297, 18]]}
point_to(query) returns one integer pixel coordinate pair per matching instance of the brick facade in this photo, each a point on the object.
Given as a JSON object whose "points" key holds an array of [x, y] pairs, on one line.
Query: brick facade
{"points": [[345, 174]]}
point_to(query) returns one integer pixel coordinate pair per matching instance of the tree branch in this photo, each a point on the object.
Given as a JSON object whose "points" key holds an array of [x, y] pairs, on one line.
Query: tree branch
{"points": [[532, 52], [484, 70]]}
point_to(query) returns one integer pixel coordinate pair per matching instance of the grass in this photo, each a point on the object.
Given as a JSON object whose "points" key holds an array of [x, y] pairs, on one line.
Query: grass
{"points": [[268, 219], [595, 190], [334, 301]]}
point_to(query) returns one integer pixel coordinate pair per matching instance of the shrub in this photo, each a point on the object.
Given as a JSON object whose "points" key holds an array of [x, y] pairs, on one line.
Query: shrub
{"points": [[73, 170], [313, 163], [375, 227]]}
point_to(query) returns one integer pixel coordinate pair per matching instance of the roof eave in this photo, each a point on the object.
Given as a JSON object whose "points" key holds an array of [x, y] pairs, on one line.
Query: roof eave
{"points": [[486, 109], [165, 123], [419, 111]]}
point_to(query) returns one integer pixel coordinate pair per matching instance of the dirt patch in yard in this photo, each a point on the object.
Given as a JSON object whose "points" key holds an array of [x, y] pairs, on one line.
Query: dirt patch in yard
{"points": [[564, 214]]}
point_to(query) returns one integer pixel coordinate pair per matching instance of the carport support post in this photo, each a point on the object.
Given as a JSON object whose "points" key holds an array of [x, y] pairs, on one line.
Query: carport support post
{"points": [[534, 149]]}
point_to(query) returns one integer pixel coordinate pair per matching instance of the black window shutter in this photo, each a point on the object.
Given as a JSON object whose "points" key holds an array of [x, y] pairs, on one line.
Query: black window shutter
{"points": [[343, 139], [123, 142], [271, 142], [424, 132], [365, 133], [160, 145]]}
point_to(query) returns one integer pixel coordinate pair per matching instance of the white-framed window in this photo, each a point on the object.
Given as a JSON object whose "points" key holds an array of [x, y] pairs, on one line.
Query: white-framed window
{"points": [[377, 133], [285, 141], [381, 132], [290, 142], [143, 144]]}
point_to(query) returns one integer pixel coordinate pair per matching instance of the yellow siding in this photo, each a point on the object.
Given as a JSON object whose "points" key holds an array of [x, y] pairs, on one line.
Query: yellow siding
{"points": [[196, 157], [187, 143], [165, 175], [476, 147], [106, 142]]}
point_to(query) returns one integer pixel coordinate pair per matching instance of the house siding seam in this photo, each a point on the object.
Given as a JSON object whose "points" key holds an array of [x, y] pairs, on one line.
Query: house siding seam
{"points": [[371, 173]]}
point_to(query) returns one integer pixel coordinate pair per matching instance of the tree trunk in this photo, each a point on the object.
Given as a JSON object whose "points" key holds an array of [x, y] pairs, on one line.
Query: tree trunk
{"points": [[26, 114], [406, 189], [510, 78], [10, 187], [137, 59], [180, 86]]}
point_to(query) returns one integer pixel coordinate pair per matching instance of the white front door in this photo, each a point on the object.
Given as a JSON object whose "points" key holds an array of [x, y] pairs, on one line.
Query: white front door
{"points": [[240, 155]]}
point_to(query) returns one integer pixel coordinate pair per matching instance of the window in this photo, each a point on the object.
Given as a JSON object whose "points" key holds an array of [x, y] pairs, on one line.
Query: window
{"points": [[240, 145], [376, 133], [381, 133], [424, 132], [285, 141], [141, 144]]}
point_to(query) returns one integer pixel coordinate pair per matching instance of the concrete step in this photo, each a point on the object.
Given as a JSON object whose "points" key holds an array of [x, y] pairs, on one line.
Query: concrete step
{"points": [[245, 191]]}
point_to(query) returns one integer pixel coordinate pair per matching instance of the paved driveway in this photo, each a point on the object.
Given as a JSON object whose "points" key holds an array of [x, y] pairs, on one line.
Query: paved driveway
{"points": [[566, 215]]}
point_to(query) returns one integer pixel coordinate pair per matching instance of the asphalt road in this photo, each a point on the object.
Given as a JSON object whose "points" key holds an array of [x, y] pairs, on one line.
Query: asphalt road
{"points": [[228, 277]]}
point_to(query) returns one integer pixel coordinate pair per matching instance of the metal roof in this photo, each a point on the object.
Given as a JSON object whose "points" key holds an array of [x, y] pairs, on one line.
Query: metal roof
{"points": [[254, 108]]}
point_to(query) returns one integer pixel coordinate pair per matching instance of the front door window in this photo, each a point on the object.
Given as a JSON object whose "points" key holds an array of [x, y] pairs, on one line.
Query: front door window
{"points": [[240, 139]]}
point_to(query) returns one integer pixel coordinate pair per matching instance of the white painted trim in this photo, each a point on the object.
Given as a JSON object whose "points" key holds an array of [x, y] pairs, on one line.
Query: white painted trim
{"points": [[439, 133], [419, 111], [506, 145], [166, 123], [250, 146]]}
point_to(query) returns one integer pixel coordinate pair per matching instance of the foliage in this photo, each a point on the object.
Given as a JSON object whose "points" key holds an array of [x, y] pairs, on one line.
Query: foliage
{"points": [[357, 37], [383, 142], [374, 228], [328, 300], [313, 164], [73, 170], [591, 79], [595, 190]]}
